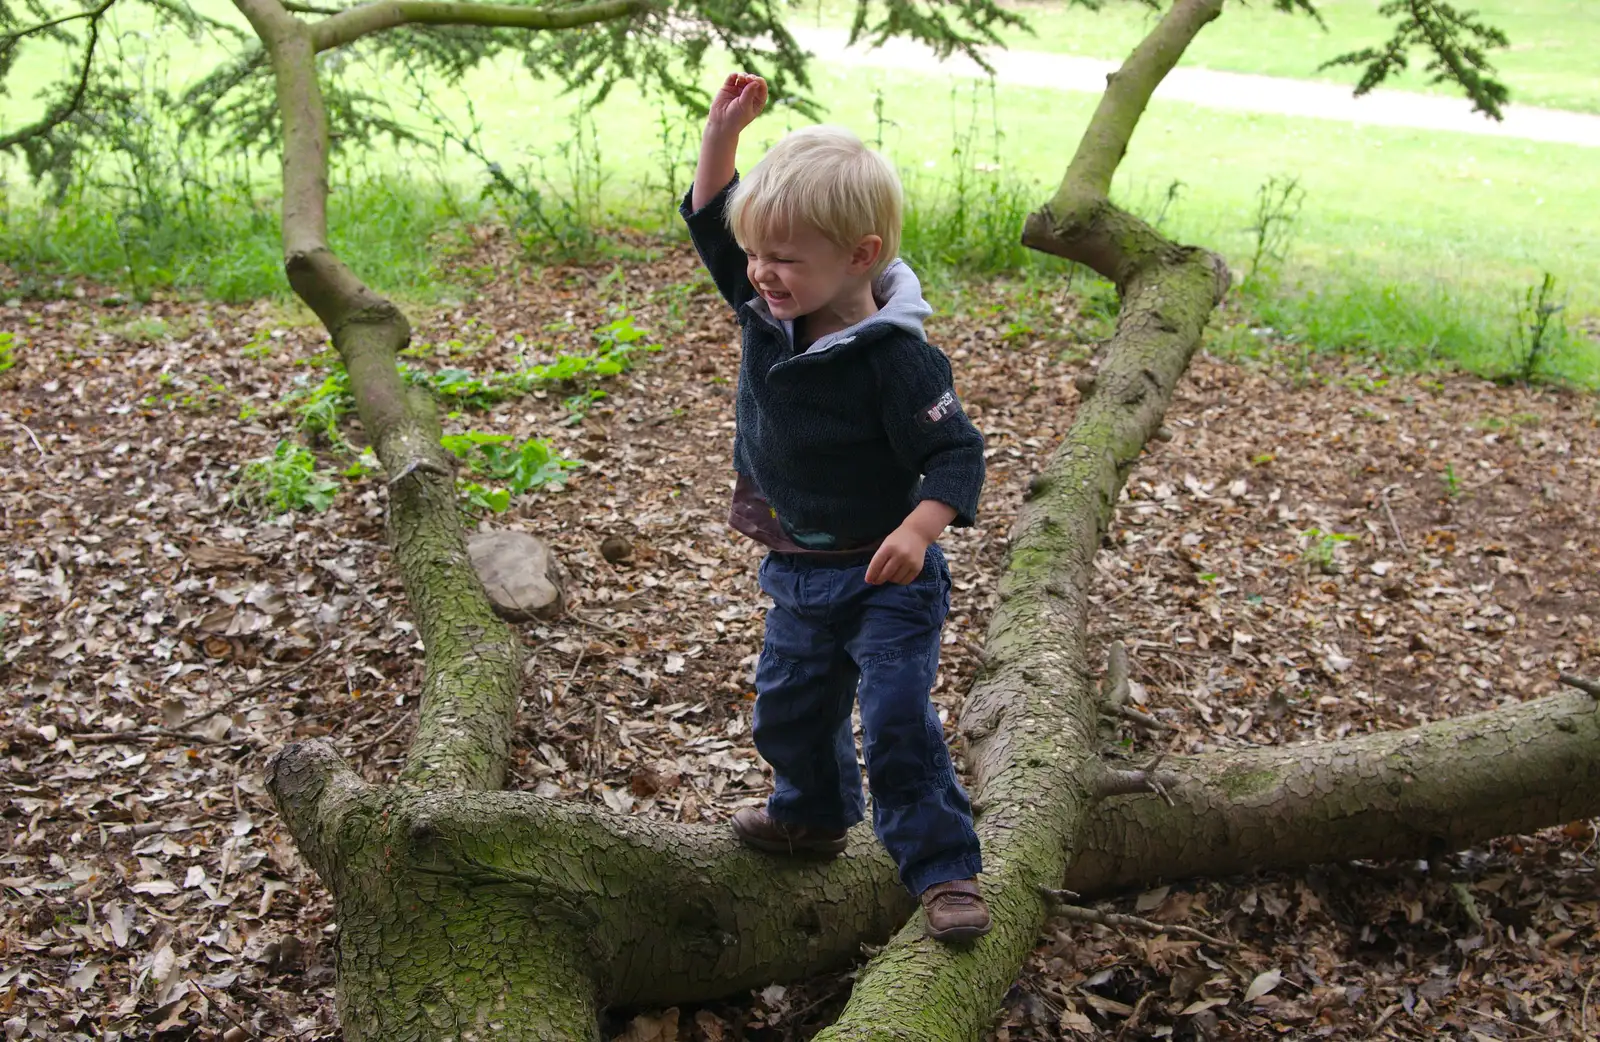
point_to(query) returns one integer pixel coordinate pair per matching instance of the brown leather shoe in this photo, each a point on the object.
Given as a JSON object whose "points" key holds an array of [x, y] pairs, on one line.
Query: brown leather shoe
{"points": [[955, 911], [756, 829]]}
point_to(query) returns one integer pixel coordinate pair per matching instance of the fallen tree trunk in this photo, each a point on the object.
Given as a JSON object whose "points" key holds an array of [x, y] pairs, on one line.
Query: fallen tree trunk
{"points": [[1031, 721], [664, 914], [466, 913], [1418, 793]]}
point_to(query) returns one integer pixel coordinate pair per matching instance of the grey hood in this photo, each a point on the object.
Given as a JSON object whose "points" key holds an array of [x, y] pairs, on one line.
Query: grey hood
{"points": [[898, 292]]}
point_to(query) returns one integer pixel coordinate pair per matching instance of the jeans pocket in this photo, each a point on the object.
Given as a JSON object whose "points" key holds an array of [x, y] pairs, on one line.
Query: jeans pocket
{"points": [[935, 574]]}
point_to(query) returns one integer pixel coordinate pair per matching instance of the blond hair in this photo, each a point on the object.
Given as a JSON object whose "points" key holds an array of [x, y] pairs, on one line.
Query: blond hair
{"points": [[826, 178]]}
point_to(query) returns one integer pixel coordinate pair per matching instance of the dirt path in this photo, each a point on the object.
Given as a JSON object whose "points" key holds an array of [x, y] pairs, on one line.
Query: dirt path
{"points": [[1242, 92]]}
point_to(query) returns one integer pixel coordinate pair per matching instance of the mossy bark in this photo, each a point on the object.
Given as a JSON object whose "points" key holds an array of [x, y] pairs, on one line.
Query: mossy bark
{"points": [[459, 910], [1417, 793], [1031, 719]]}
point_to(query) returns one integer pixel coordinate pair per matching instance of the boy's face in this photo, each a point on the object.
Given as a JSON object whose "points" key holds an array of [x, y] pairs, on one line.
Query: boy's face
{"points": [[802, 271]]}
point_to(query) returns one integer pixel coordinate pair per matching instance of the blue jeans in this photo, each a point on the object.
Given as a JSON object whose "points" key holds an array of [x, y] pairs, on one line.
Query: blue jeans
{"points": [[830, 634]]}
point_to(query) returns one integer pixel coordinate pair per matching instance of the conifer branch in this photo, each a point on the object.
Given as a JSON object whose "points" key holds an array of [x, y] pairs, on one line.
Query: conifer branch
{"points": [[352, 24], [65, 110]]}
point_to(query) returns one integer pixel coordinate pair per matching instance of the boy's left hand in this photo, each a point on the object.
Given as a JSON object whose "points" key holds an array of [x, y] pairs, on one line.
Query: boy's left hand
{"points": [[899, 559]]}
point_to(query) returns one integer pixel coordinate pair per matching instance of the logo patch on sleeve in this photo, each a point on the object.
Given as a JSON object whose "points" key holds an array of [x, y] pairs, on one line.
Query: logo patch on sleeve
{"points": [[942, 409]]}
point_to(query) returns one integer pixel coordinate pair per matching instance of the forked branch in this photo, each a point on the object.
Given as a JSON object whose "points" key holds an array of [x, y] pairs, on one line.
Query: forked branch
{"points": [[1080, 223], [1034, 712], [6, 39]]}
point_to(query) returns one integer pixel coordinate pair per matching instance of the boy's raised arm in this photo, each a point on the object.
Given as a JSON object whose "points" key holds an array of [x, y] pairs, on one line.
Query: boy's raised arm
{"points": [[705, 211], [735, 107]]}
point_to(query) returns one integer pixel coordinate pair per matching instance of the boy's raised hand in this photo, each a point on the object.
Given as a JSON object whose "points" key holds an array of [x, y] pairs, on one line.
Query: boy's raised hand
{"points": [[738, 103], [735, 107]]}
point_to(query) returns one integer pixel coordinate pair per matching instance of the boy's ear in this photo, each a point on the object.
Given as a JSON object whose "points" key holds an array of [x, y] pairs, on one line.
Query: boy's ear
{"points": [[866, 254]]}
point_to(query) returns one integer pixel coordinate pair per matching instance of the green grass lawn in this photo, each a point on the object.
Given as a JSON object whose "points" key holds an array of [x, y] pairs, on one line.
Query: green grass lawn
{"points": [[1552, 60], [1412, 242], [1489, 213]]}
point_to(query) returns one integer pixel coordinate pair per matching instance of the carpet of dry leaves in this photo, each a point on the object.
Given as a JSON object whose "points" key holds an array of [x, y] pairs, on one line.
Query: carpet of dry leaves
{"points": [[158, 644]]}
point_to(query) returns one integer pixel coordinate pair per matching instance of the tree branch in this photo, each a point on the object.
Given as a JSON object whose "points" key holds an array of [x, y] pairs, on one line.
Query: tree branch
{"points": [[1112, 782], [1141, 718], [1080, 223], [1424, 792], [1032, 719], [474, 674], [62, 112], [1128, 91], [353, 23], [1588, 687]]}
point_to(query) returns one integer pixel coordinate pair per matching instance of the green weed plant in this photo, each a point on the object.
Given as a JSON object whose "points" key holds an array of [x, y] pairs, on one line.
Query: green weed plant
{"points": [[286, 481]]}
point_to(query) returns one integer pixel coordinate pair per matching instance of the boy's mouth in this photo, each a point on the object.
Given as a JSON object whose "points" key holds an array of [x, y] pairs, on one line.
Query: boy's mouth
{"points": [[775, 296]]}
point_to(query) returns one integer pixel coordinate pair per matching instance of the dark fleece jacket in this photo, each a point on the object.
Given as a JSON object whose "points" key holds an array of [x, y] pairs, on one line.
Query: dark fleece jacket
{"points": [[838, 443]]}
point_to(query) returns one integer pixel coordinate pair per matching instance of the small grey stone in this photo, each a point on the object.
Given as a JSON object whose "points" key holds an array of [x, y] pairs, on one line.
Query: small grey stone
{"points": [[519, 573]]}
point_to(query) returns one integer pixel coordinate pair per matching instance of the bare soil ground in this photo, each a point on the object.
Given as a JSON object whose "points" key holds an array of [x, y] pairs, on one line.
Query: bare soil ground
{"points": [[1313, 554]]}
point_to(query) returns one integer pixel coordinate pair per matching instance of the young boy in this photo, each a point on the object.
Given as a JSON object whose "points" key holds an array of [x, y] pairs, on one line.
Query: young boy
{"points": [[852, 456]]}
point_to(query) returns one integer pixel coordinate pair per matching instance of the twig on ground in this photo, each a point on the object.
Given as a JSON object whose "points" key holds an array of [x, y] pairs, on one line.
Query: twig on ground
{"points": [[176, 730], [596, 623], [567, 685], [116, 737], [33, 438], [1388, 511], [376, 743], [972, 649], [1141, 718], [212, 1001], [1588, 687], [1583, 1015], [1116, 920]]}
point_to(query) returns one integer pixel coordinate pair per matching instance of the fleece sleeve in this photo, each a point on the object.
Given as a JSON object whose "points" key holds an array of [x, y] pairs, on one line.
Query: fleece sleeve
{"points": [[722, 256], [928, 429]]}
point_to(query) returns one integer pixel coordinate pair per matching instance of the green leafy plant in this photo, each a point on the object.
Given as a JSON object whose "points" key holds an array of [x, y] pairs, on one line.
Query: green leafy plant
{"points": [[319, 409], [514, 468], [620, 341], [1278, 202], [578, 405], [1452, 483], [1321, 547], [285, 481], [1540, 330], [9, 344], [261, 345], [365, 464]]}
